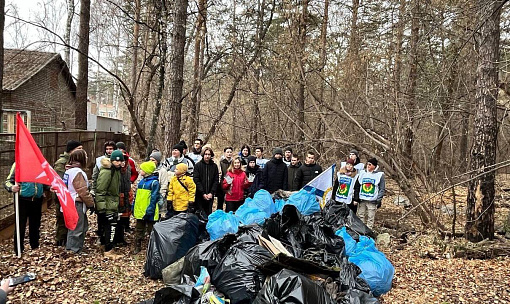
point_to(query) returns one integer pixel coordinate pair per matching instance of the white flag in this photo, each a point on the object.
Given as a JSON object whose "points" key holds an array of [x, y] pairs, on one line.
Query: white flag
{"points": [[323, 185]]}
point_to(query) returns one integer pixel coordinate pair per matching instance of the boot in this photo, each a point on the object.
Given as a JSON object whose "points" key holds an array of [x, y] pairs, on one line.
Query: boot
{"points": [[138, 247]]}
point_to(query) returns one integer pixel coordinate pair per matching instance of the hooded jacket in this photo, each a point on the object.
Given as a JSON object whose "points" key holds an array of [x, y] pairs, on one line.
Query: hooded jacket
{"points": [[275, 175], [60, 164], [257, 183], [205, 177], [146, 199], [179, 195], [107, 188]]}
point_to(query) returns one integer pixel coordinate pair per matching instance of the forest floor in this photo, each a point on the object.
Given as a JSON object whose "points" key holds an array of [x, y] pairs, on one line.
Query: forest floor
{"points": [[425, 268]]}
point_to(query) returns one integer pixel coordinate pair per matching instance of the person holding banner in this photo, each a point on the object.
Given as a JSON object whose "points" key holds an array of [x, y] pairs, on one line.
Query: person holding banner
{"points": [[343, 187], [30, 208], [370, 188]]}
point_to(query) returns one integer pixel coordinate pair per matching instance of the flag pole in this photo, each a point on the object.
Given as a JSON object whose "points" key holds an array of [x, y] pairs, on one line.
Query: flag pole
{"points": [[16, 210]]}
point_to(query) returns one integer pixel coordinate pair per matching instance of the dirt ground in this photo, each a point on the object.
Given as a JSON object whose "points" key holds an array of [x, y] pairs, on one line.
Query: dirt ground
{"points": [[425, 271]]}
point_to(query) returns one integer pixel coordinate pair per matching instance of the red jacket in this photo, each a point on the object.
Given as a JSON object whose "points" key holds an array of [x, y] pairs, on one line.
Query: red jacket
{"points": [[235, 191], [134, 172]]}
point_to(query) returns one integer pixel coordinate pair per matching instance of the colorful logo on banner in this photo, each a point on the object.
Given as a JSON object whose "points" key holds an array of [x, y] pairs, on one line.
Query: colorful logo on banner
{"points": [[344, 186]]}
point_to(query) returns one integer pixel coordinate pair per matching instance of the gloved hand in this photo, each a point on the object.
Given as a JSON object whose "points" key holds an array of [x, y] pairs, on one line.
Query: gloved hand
{"points": [[111, 217], [148, 217], [251, 177], [379, 203], [191, 207], [92, 210]]}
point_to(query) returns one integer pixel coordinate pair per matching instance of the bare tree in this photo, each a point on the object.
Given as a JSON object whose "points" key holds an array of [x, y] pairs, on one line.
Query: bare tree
{"points": [[83, 66]]}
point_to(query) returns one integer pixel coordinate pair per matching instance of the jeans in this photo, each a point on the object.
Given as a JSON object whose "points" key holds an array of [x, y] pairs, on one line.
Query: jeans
{"points": [[76, 237]]}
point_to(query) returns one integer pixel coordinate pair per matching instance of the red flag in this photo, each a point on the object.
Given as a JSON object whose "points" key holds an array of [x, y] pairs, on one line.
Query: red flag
{"points": [[34, 168]]}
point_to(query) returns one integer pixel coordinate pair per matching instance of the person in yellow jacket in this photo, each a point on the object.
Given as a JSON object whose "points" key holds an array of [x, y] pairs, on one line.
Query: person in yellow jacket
{"points": [[181, 191]]}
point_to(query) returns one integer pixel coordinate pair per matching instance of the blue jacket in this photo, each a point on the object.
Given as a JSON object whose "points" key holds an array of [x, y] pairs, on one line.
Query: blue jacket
{"points": [[28, 190], [146, 199]]}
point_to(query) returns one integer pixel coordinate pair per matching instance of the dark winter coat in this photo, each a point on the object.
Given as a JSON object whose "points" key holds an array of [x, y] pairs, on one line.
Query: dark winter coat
{"points": [[275, 175], [258, 182], [292, 175], [205, 177], [305, 174]]}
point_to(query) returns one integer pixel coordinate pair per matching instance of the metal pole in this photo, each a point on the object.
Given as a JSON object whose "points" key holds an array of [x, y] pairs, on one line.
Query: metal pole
{"points": [[16, 210]]}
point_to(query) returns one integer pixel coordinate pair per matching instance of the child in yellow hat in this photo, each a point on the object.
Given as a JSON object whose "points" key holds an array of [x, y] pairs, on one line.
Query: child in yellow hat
{"points": [[181, 191]]}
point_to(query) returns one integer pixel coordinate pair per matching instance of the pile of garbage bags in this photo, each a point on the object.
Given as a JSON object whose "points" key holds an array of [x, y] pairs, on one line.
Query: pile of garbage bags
{"points": [[272, 250]]}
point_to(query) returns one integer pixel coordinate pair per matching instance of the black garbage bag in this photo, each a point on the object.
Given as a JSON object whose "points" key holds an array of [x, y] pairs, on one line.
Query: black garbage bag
{"points": [[349, 277], [238, 275], [323, 236], [207, 254], [339, 215], [290, 287], [290, 228], [150, 301], [249, 233], [203, 235], [170, 240], [177, 294]]}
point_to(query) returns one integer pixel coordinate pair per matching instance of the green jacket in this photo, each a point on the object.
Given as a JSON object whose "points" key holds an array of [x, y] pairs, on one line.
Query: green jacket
{"points": [[108, 188], [60, 164], [27, 190]]}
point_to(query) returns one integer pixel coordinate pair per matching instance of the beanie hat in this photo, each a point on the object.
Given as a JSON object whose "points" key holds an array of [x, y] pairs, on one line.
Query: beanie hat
{"points": [[157, 156], [182, 168], [373, 161], [72, 144], [183, 144], [288, 149], [355, 152], [252, 158], [121, 145], [178, 147], [148, 167], [117, 155], [277, 151], [350, 161]]}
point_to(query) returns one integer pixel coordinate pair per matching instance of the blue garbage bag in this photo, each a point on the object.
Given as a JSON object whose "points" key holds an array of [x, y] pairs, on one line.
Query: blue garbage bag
{"points": [[350, 243], [279, 203], [376, 269], [249, 214], [221, 223], [257, 209], [305, 202]]}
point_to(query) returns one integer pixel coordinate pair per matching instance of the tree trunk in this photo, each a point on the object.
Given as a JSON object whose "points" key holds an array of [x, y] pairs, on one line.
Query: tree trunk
{"points": [[322, 64], [301, 44], [198, 69], [173, 131], [163, 19], [480, 201], [82, 82], [413, 80], [67, 34]]}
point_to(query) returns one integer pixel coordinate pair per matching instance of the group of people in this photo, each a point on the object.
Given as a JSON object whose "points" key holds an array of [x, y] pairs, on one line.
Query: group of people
{"points": [[183, 182]]}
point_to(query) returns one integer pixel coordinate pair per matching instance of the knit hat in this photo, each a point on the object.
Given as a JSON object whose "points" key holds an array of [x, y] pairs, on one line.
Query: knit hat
{"points": [[277, 151], [157, 156], [288, 149], [350, 161], [181, 168], [183, 144], [117, 155], [121, 145], [72, 144], [252, 158], [178, 147], [373, 161], [148, 167], [355, 152]]}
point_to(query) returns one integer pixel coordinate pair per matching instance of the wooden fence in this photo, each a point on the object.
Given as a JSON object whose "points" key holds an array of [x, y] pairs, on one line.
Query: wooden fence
{"points": [[52, 144]]}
